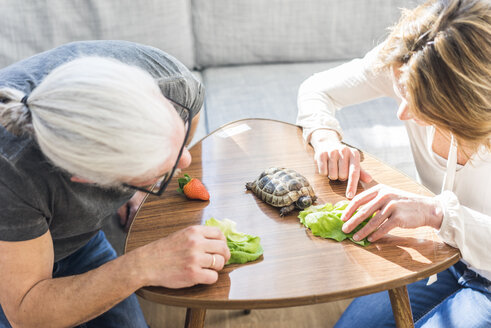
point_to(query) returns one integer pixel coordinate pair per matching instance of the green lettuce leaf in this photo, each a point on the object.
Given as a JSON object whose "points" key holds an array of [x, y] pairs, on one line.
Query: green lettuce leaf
{"points": [[325, 221], [243, 247]]}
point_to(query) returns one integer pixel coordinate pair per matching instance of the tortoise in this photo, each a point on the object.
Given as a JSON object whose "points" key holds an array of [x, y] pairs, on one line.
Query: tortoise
{"points": [[282, 187]]}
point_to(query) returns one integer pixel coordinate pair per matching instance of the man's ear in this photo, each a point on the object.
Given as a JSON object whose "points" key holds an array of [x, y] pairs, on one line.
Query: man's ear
{"points": [[79, 180]]}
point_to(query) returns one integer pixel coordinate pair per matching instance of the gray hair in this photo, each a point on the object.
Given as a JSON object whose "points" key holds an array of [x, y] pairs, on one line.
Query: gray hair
{"points": [[96, 118]]}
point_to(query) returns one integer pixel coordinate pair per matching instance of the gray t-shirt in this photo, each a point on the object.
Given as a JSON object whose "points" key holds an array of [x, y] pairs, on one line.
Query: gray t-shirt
{"points": [[35, 196]]}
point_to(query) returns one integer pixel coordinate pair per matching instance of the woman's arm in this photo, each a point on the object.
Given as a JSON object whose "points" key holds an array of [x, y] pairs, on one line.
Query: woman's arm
{"points": [[468, 230], [351, 83], [318, 99]]}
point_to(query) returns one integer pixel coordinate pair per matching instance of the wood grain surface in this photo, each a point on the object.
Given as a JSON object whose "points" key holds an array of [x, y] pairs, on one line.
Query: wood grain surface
{"points": [[401, 307], [297, 268]]}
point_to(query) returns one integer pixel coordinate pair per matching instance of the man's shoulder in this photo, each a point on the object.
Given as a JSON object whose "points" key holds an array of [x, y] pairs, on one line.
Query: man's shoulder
{"points": [[26, 74], [12, 147]]}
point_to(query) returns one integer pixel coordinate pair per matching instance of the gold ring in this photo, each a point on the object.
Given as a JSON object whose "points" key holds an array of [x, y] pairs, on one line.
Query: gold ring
{"points": [[212, 261]]}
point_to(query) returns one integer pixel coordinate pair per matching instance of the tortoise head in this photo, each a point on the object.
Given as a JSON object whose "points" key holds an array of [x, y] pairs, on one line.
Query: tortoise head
{"points": [[303, 202]]}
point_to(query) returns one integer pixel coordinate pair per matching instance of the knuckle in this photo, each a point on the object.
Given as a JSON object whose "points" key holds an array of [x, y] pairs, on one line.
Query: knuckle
{"points": [[383, 197], [391, 205], [345, 152], [343, 175], [193, 229], [322, 156], [192, 242], [190, 272], [193, 258], [354, 168], [334, 155], [356, 154], [397, 220]]}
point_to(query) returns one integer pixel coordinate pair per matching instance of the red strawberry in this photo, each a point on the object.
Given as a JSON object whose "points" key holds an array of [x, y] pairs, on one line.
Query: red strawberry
{"points": [[193, 188]]}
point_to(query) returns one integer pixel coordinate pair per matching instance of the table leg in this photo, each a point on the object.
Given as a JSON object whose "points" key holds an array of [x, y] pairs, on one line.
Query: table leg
{"points": [[195, 318], [399, 299]]}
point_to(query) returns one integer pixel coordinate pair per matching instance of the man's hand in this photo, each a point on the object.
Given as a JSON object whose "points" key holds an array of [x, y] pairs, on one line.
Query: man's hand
{"points": [[394, 208], [127, 211], [185, 258], [338, 161]]}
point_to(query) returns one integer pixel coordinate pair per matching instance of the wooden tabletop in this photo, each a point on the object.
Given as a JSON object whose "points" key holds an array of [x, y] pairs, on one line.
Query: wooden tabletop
{"points": [[297, 268]]}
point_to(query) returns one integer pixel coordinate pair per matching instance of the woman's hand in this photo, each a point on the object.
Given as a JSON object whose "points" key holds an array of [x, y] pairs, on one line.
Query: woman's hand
{"points": [[127, 211], [185, 258], [338, 161], [394, 207]]}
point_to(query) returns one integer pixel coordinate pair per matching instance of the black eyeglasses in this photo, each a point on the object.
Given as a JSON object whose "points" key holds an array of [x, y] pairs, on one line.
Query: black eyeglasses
{"points": [[165, 180]]}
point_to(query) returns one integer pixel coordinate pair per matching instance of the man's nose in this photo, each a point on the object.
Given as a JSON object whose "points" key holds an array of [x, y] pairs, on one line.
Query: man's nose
{"points": [[185, 159]]}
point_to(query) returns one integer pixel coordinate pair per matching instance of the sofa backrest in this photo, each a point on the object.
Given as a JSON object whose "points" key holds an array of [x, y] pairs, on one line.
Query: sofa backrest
{"points": [[232, 32], [204, 33], [28, 27]]}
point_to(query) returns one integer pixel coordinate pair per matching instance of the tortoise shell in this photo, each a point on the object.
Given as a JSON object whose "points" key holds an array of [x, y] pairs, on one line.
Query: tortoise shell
{"points": [[282, 187]]}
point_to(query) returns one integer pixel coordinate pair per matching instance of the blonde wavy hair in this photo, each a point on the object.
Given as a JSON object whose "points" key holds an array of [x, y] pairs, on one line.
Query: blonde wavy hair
{"points": [[96, 118], [443, 48]]}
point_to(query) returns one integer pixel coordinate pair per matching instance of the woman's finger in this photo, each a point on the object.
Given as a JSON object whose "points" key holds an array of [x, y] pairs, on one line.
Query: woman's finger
{"points": [[377, 220], [383, 230], [365, 176], [333, 165], [353, 174], [344, 164], [373, 205], [322, 163], [359, 200]]}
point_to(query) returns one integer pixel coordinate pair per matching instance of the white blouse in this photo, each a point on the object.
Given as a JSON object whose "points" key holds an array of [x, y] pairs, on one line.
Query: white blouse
{"points": [[464, 191]]}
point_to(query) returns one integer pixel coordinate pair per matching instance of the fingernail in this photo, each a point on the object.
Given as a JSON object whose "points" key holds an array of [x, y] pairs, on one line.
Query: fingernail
{"points": [[370, 239], [350, 194], [356, 237]]}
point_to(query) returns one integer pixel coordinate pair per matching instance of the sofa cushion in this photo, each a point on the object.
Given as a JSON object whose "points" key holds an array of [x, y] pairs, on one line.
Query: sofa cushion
{"points": [[254, 31], [270, 91], [30, 27]]}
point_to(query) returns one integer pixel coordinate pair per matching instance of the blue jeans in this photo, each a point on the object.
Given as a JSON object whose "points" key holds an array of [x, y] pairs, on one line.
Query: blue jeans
{"points": [[96, 252], [459, 298]]}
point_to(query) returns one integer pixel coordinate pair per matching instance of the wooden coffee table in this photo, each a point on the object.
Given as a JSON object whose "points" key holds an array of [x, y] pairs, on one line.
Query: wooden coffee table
{"points": [[297, 268]]}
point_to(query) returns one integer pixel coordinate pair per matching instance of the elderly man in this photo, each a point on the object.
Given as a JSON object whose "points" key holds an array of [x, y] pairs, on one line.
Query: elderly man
{"points": [[85, 129]]}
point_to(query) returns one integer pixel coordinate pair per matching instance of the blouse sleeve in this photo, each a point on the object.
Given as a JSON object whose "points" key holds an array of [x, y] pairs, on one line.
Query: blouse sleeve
{"points": [[323, 93], [469, 231]]}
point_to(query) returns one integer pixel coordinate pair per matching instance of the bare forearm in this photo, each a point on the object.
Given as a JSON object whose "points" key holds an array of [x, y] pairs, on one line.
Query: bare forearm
{"points": [[69, 301]]}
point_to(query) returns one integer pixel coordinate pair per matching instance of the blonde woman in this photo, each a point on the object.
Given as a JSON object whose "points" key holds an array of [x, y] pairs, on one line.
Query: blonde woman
{"points": [[436, 63], [82, 127]]}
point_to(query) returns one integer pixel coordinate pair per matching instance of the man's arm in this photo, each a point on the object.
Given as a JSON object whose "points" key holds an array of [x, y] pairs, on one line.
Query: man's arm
{"points": [[30, 297]]}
